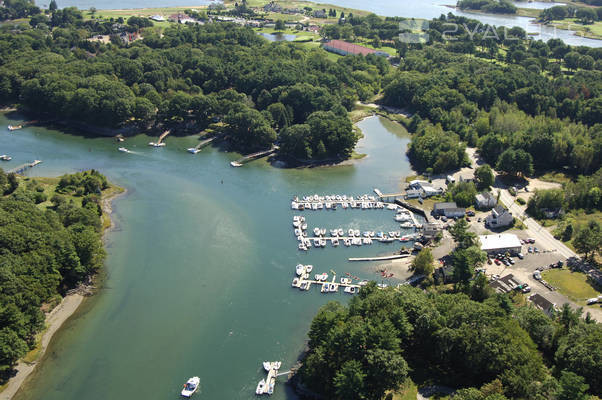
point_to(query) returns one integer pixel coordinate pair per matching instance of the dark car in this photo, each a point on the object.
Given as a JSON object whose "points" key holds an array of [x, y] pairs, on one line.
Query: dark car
{"points": [[470, 213]]}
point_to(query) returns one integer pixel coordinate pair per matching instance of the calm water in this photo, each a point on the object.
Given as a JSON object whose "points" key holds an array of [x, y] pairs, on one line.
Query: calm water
{"points": [[278, 37], [199, 271]]}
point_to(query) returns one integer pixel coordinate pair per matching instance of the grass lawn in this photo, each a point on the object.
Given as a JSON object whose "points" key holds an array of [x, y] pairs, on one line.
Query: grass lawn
{"points": [[574, 285], [556, 177], [407, 392], [593, 31]]}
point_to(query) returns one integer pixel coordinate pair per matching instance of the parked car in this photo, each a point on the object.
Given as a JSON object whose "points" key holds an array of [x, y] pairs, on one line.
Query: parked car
{"points": [[497, 262], [530, 249], [511, 261], [536, 250], [526, 289], [520, 255], [444, 218], [530, 240], [470, 213], [506, 263], [479, 220], [489, 261], [537, 275]]}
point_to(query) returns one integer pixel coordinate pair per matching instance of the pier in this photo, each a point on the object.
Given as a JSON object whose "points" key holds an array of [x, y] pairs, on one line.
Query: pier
{"points": [[163, 136], [23, 167], [202, 144], [241, 161], [383, 258], [387, 196]]}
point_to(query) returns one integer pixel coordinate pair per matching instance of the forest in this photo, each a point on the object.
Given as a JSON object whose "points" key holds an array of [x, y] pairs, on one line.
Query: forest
{"points": [[49, 243], [490, 349], [490, 6], [218, 76]]}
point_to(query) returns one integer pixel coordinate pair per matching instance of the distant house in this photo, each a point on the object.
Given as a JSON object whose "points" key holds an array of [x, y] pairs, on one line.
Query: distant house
{"points": [[158, 18], [542, 303], [272, 7], [485, 201], [552, 212], [430, 230], [505, 284], [418, 184], [444, 274], [313, 28], [500, 243], [412, 193], [426, 188], [450, 210], [319, 14], [428, 191], [499, 218], [345, 48]]}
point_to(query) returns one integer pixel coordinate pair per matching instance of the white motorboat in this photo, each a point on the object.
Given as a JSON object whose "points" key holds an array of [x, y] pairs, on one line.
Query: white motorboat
{"points": [[391, 206], [345, 281], [276, 365], [191, 386], [296, 282], [324, 288], [14, 127], [296, 224], [382, 285], [153, 144], [316, 242], [363, 283], [341, 232], [323, 232], [406, 225], [123, 149], [194, 150], [309, 268], [357, 232], [300, 269], [316, 231], [298, 232], [304, 226], [334, 287], [335, 242], [347, 242], [403, 218], [260, 387], [302, 247], [295, 218], [334, 232], [351, 232], [5, 157], [305, 285], [366, 234], [349, 289], [267, 366], [366, 240]]}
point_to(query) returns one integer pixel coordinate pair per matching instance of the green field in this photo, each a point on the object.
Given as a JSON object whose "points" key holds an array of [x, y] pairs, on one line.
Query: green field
{"points": [[574, 285]]}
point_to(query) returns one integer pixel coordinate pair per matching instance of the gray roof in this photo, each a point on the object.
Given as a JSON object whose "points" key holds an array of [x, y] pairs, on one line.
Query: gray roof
{"points": [[444, 206], [485, 195], [500, 209], [541, 302]]}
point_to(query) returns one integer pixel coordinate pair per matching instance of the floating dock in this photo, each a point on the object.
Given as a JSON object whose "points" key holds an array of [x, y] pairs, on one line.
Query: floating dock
{"points": [[23, 167]]}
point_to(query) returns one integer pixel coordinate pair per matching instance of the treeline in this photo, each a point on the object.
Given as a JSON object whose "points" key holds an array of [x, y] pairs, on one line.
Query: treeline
{"points": [[44, 251], [491, 6], [14, 9], [543, 118], [585, 15], [218, 74], [369, 26], [492, 348]]}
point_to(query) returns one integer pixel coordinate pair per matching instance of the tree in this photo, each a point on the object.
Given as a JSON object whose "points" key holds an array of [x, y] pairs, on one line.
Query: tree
{"points": [[572, 387], [52, 6], [484, 176], [588, 240], [349, 381], [461, 235], [515, 162], [423, 262], [279, 25]]}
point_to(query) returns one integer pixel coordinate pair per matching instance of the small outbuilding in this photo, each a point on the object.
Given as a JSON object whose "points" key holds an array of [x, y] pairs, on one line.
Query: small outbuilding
{"points": [[485, 201], [500, 243], [543, 304]]}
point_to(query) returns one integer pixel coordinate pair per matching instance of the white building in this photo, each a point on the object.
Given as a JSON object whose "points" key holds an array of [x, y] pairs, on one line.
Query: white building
{"points": [[500, 243], [499, 217], [485, 201]]}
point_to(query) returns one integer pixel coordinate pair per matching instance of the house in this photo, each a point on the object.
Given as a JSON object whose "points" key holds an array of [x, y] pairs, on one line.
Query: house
{"points": [[499, 217], [319, 14], [158, 18], [457, 212], [543, 304], [552, 212], [500, 243], [429, 230], [485, 201], [412, 194], [439, 208], [313, 28], [428, 191], [418, 184], [444, 274], [272, 7], [344, 48], [505, 284]]}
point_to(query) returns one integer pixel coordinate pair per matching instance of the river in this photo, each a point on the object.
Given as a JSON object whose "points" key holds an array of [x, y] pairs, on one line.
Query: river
{"points": [[199, 271]]}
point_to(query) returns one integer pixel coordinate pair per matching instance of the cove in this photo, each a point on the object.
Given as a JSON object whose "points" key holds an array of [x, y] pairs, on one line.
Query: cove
{"points": [[199, 271]]}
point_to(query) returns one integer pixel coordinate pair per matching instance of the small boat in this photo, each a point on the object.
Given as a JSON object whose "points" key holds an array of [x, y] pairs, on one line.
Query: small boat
{"points": [[267, 366], [296, 282], [341, 232], [153, 144], [260, 387], [191, 386], [296, 218], [302, 246], [406, 225], [335, 242], [363, 283], [334, 232], [276, 365], [334, 287], [5, 157], [300, 269], [194, 150], [305, 285], [323, 232], [347, 242], [349, 289], [382, 285], [345, 281], [357, 232], [391, 206], [351, 232], [316, 231], [296, 224], [304, 226], [309, 268], [123, 149], [14, 127], [324, 288]]}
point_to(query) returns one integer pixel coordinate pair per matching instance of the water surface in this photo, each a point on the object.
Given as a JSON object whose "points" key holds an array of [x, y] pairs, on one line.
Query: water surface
{"points": [[199, 271]]}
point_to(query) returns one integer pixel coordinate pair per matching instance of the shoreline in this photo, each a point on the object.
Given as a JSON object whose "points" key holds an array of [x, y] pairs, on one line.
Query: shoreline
{"points": [[59, 314]]}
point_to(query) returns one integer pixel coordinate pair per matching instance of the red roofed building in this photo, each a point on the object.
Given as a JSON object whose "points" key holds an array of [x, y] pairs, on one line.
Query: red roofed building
{"points": [[344, 48]]}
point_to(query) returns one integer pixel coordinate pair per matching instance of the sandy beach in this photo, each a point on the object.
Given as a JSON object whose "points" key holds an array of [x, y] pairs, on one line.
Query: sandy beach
{"points": [[54, 320]]}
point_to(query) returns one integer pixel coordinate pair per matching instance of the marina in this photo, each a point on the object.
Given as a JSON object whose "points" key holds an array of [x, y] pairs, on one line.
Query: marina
{"points": [[267, 385], [303, 281]]}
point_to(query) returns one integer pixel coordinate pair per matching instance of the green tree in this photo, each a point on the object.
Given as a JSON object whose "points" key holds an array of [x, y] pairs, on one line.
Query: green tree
{"points": [[484, 176], [423, 262], [588, 239], [572, 387], [462, 236], [279, 25]]}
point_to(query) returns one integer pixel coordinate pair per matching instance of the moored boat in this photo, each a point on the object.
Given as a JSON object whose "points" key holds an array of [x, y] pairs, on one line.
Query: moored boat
{"points": [[260, 387], [14, 127], [300, 269], [123, 149], [5, 157], [267, 366]]}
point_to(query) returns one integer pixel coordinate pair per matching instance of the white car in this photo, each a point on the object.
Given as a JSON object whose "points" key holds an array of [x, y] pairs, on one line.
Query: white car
{"points": [[591, 301]]}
